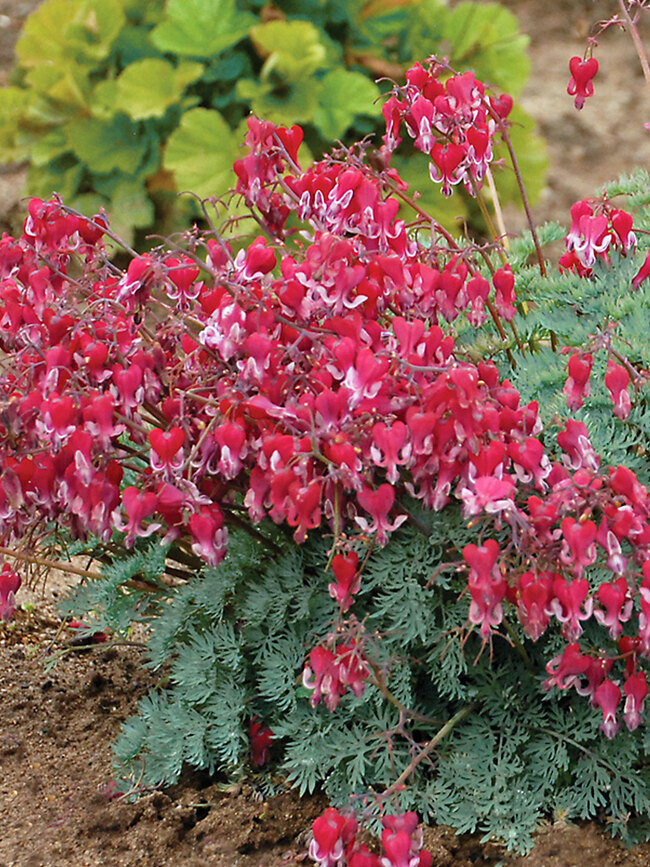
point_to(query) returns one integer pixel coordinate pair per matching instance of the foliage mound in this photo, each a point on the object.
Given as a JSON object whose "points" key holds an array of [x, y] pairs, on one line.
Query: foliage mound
{"points": [[121, 104], [366, 561]]}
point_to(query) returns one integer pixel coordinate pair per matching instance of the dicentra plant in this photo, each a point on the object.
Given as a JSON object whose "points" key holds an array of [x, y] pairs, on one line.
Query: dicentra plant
{"points": [[344, 475]]}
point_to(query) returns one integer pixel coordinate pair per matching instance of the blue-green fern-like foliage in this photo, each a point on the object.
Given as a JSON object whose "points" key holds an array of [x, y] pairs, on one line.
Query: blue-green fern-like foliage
{"points": [[231, 643]]}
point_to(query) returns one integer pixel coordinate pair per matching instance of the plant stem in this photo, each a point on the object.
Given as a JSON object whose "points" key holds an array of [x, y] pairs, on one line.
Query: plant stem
{"points": [[498, 213], [636, 39], [429, 748], [521, 650], [48, 564], [522, 191]]}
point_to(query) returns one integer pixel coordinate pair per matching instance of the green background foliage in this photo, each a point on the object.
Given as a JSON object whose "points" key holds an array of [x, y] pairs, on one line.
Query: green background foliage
{"points": [[121, 104]]}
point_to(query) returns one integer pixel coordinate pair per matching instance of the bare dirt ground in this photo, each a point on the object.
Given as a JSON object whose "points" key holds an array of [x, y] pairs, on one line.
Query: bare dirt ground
{"points": [[56, 726]]}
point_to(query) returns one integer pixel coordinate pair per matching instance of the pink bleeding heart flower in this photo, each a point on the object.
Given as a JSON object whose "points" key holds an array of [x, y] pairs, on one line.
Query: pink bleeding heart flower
{"points": [[209, 534], [636, 690], [348, 579], [577, 387], [616, 606], [10, 582], [138, 505], [486, 585], [578, 544], [167, 448], [378, 504], [533, 595], [581, 84], [617, 380], [607, 698], [333, 834], [565, 668], [570, 605], [504, 293], [261, 738]]}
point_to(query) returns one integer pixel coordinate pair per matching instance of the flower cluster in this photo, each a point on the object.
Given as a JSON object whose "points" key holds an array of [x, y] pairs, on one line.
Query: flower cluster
{"points": [[597, 228], [334, 842], [452, 121]]}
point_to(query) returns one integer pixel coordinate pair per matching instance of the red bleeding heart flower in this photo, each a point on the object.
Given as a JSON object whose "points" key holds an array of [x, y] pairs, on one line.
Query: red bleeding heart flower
{"points": [[10, 582], [348, 579], [261, 738], [617, 380], [581, 84], [576, 387], [607, 697], [167, 449]]}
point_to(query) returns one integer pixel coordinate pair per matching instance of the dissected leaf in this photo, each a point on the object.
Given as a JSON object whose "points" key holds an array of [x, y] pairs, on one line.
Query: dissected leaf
{"points": [[201, 28], [201, 152]]}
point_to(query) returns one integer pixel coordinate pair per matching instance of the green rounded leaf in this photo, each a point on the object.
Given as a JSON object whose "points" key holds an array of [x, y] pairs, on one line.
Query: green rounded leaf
{"points": [[200, 153], [107, 145], [344, 95], [147, 88], [293, 49], [11, 103], [201, 28], [486, 38], [62, 29], [296, 103]]}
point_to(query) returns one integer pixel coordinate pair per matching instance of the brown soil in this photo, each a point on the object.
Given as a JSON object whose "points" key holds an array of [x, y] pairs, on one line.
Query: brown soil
{"points": [[56, 726]]}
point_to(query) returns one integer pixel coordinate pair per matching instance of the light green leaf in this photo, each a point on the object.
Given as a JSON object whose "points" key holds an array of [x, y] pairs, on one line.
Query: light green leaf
{"points": [[147, 88], [344, 95], [61, 176], [201, 28], [48, 147], [295, 104], [60, 29], [104, 99], [107, 145], [131, 208], [293, 49], [200, 153], [11, 103], [486, 38]]}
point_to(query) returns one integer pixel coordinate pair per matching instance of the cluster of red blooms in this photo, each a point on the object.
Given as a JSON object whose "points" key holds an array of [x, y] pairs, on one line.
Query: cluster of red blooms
{"points": [[335, 844], [597, 228], [316, 383], [452, 121]]}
